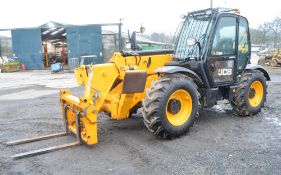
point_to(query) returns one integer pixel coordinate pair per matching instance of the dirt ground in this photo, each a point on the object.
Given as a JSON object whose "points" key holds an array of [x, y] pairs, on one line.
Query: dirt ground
{"points": [[219, 142]]}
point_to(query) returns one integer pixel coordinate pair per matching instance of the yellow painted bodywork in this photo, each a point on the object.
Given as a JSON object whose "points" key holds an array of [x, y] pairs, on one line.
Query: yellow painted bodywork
{"points": [[103, 94]]}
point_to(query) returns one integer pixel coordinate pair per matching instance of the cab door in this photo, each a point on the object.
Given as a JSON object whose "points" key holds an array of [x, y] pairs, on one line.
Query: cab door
{"points": [[244, 45], [222, 54]]}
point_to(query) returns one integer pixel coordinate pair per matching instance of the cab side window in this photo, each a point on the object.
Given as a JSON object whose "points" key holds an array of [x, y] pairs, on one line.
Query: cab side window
{"points": [[243, 44], [224, 41]]}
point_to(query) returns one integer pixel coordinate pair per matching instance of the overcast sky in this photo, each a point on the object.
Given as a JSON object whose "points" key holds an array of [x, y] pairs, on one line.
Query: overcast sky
{"points": [[154, 15]]}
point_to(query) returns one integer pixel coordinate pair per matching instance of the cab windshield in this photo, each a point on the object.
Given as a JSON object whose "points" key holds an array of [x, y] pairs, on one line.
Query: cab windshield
{"points": [[196, 27]]}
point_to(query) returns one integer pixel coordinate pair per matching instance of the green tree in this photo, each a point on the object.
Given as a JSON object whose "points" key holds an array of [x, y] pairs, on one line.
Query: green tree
{"points": [[275, 27], [264, 29], [256, 36]]}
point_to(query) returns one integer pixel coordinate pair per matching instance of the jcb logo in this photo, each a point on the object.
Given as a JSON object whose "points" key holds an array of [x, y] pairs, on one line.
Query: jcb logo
{"points": [[223, 72]]}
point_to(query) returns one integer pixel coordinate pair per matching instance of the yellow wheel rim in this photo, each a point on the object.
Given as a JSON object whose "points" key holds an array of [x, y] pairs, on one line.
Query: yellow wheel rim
{"points": [[255, 94], [179, 107]]}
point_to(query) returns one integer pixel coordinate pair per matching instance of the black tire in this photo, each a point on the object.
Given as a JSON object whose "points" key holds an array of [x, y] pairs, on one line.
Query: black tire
{"points": [[240, 102], [154, 105]]}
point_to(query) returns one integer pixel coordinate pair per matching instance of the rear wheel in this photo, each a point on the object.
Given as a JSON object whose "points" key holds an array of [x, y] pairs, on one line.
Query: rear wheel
{"points": [[250, 94], [170, 106]]}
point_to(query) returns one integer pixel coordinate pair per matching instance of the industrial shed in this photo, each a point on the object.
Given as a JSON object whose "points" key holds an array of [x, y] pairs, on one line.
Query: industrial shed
{"points": [[52, 42]]}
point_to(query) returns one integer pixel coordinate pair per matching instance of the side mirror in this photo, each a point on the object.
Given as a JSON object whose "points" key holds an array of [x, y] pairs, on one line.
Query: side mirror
{"points": [[191, 41], [128, 45]]}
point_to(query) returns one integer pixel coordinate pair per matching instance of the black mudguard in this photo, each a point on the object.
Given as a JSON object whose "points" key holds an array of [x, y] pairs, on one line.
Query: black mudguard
{"points": [[260, 68], [178, 69]]}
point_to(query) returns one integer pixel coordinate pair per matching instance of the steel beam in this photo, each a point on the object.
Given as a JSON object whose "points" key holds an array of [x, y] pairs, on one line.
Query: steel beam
{"points": [[45, 150], [37, 138]]}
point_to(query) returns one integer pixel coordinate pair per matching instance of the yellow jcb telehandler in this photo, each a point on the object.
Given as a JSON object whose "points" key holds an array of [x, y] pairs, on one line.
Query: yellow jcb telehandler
{"points": [[209, 63]]}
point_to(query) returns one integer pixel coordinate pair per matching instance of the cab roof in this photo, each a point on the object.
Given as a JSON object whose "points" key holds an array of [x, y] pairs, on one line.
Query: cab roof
{"points": [[213, 11]]}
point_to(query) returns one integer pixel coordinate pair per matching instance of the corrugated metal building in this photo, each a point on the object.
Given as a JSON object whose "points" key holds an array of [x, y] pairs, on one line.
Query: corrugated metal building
{"points": [[27, 46], [41, 46]]}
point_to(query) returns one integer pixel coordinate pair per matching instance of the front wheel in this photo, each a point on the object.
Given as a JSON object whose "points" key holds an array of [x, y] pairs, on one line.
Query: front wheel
{"points": [[250, 94], [170, 106]]}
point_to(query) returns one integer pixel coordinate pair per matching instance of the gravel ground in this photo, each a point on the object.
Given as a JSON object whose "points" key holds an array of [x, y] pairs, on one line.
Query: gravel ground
{"points": [[219, 142]]}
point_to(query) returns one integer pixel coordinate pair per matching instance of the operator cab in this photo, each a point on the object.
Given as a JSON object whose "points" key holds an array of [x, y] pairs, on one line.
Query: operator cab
{"points": [[215, 44]]}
